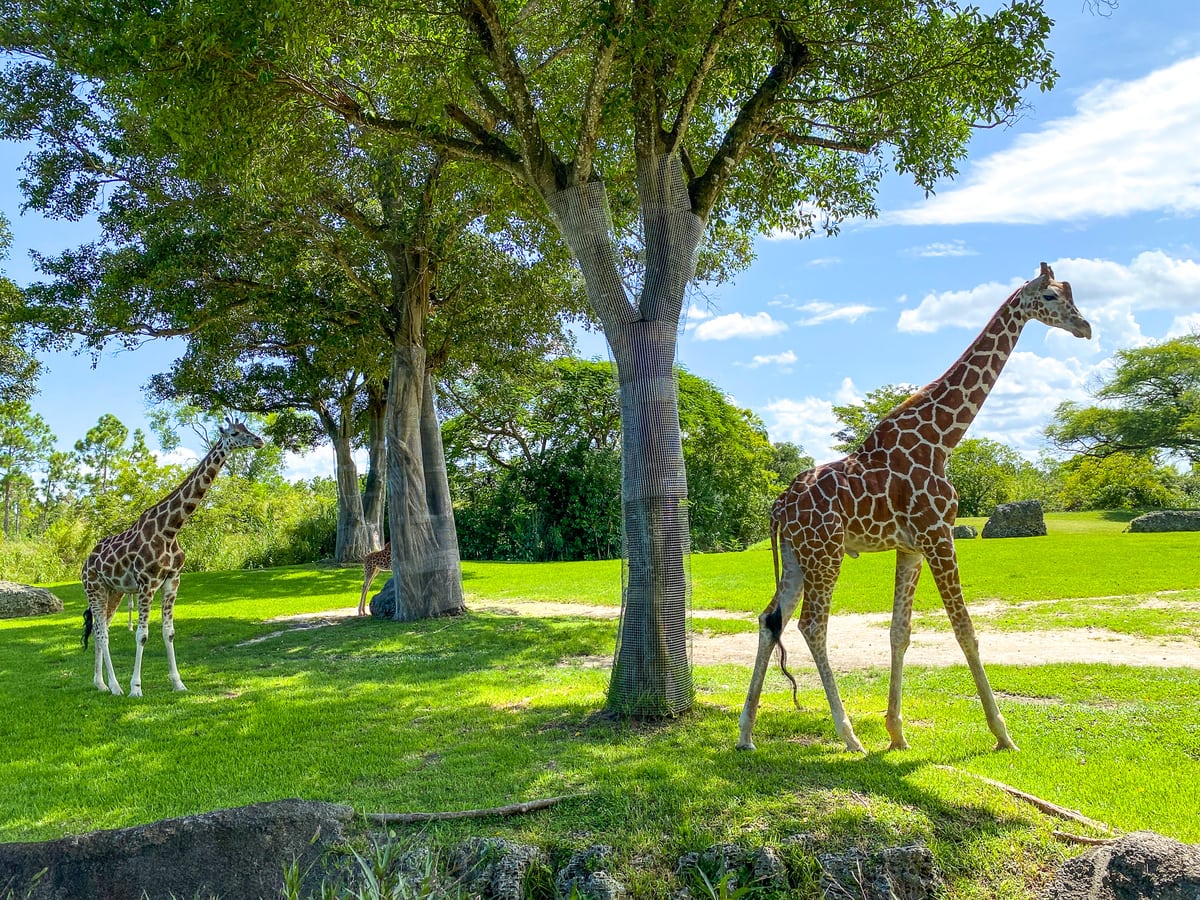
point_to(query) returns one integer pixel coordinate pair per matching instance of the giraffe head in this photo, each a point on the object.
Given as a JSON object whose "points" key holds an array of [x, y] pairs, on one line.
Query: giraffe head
{"points": [[236, 436], [1050, 301]]}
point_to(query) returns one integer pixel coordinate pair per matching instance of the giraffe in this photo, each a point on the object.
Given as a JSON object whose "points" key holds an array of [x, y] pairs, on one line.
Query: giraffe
{"points": [[374, 563], [145, 557], [892, 494]]}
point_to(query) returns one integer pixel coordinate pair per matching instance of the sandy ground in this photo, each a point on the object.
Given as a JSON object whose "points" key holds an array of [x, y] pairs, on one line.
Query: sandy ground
{"points": [[860, 641]]}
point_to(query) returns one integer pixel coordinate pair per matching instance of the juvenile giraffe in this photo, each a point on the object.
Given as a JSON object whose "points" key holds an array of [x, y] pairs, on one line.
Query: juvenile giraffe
{"points": [[145, 557], [892, 494], [374, 563]]}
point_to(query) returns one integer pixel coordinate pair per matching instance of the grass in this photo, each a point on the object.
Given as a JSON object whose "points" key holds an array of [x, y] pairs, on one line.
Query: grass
{"points": [[492, 708]]}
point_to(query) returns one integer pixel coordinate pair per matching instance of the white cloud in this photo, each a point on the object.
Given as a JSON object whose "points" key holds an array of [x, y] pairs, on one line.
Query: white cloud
{"points": [[315, 464], [939, 249], [695, 313], [1129, 147], [784, 360], [736, 325], [820, 313], [1025, 397], [1182, 326], [956, 309], [809, 422], [180, 456], [823, 261]]}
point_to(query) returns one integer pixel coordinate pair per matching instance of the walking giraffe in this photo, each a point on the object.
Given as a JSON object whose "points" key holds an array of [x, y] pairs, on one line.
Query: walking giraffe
{"points": [[892, 494], [374, 563], [145, 557]]}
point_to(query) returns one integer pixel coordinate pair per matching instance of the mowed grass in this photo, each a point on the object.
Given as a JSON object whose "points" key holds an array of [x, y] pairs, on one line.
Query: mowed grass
{"points": [[495, 708]]}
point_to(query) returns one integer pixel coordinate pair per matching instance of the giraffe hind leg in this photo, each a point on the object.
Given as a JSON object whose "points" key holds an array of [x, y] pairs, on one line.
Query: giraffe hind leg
{"points": [[169, 593], [770, 627], [101, 603], [367, 579], [814, 625]]}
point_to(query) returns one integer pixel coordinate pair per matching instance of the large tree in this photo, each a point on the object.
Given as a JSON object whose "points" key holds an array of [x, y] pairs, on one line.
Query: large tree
{"points": [[18, 367], [644, 129], [1149, 402]]}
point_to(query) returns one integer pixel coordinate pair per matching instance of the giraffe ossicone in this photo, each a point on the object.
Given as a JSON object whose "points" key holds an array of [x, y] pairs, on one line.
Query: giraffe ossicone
{"points": [[893, 494], [145, 557]]}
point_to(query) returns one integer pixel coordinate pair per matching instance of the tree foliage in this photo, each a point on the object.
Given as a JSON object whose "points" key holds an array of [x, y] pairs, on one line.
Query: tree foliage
{"points": [[858, 419]]}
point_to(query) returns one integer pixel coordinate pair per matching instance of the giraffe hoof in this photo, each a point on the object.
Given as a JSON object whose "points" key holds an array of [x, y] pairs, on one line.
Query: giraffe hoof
{"points": [[745, 745], [900, 744], [135, 690], [178, 686], [116, 691], [1006, 744]]}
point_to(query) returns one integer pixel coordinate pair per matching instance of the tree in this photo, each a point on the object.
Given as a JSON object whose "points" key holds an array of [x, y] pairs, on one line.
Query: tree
{"points": [[789, 461], [25, 443], [859, 419], [1150, 402], [100, 448], [18, 368], [984, 473], [687, 119], [1119, 481]]}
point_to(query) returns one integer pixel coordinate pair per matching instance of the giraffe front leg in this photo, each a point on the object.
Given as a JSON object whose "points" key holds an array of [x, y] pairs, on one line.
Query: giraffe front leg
{"points": [[908, 571], [141, 636], [770, 624], [170, 590], [944, 566]]}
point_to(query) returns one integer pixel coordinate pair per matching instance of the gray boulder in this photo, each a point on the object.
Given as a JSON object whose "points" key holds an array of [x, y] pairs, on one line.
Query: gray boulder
{"points": [[1021, 519], [1166, 520], [23, 600], [965, 532], [233, 854], [1139, 866], [383, 604], [586, 876], [898, 873], [496, 869]]}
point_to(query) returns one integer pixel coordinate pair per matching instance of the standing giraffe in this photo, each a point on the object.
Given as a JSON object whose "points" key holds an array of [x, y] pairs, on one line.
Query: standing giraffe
{"points": [[892, 494], [374, 563], [147, 556]]}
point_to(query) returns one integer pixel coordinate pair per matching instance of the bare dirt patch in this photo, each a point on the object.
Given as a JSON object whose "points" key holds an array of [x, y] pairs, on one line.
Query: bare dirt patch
{"points": [[860, 640]]}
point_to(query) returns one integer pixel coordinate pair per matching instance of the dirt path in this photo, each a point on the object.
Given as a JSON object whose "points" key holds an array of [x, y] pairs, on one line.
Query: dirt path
{"points": [[860, 641]]}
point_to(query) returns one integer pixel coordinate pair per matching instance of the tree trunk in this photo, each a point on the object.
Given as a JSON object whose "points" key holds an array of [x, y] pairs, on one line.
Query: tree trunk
{"points": [[354, 537], [437, 479], [374, 491], [425, 566], [652, 671]]}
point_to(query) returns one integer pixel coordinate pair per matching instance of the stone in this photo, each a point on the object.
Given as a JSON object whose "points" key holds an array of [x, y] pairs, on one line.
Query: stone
{"points": [[1166, 520], [585, 876], [964, 532], [18, 600], [897, 873], [1021, 519], [756, 870], [1138, 866], [495, 868], [233, 854], [383, 604]]}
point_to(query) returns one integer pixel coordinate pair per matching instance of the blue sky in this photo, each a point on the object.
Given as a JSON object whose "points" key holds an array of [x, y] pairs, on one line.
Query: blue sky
{"points": [[1100, 178]]}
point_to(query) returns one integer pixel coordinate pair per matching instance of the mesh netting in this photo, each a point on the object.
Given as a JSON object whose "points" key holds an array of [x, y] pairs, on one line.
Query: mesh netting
{"points": [[652, 671]]}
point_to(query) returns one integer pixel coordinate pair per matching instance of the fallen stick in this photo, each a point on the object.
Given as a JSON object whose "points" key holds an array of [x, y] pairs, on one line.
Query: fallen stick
{"points": [[1067, 838], [514, 809], [1045, 806]]}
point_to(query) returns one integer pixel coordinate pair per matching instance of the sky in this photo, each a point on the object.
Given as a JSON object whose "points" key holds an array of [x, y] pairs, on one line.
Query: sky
{"points": [[1100, 178]]}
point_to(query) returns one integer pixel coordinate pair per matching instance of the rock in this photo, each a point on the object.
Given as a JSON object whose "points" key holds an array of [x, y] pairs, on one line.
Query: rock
{"points": [[585, 876], [383, 604], [898, 873], [964, 532], [1021, 519], [1166, 520], [737, 866], [23, 600], [494, 868], [234, 854], [1139, 866]]}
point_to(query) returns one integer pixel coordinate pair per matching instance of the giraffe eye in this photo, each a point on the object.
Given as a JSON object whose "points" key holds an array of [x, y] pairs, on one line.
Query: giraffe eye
{"points": [[1049, 296]]}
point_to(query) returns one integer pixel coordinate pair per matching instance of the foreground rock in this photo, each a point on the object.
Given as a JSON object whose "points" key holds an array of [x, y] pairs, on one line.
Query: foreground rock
{"points": [[18, 600], [898, 873], [1021, 519], [1166, 520], [233, 854], [964, 532], [1139, 866]]}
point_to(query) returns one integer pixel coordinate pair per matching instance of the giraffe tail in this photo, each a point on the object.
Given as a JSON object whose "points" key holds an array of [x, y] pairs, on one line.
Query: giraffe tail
{"points": [[87, 625], [775, 618]]}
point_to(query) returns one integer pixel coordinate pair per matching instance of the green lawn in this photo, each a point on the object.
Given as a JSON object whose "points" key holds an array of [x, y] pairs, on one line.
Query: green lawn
{"points": [[493, 708]]}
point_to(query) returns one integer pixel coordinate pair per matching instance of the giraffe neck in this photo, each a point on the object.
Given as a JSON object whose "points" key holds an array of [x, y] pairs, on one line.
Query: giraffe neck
{"points": [[942, 411], [173, 511]]}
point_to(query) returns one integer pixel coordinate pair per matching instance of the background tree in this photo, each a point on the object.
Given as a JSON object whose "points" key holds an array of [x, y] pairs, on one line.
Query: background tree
{"points": [[99, 449], [18, 367], [1150, 402], [858, 419], [789, 461], [985, 473], [25, 443], [1130, 481]]}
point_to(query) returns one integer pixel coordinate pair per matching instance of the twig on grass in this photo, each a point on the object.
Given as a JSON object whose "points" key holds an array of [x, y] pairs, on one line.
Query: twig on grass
{"points": [[1067, 838], [1045, 806], [514, 809]]}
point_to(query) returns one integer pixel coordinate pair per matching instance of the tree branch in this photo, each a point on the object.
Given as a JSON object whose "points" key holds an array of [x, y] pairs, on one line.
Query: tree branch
{"points": [[691, 94], [593, 105]]}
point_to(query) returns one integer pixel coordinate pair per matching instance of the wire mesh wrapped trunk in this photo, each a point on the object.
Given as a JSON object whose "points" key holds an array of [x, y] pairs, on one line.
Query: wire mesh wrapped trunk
{"points": [[354, 531], [425, 561], [652, 671]]}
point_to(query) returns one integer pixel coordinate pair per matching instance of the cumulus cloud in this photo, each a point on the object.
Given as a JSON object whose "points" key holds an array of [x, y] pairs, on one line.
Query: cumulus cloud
{"points": [[810, 421], [737, 325], [1129, 147], [820, 313], [784, 360], [956, 309], [1182, 326]]}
